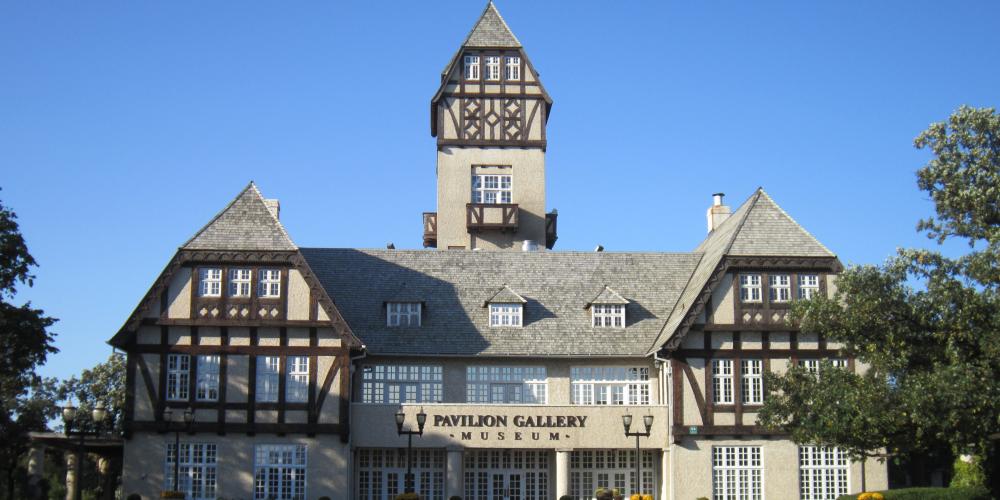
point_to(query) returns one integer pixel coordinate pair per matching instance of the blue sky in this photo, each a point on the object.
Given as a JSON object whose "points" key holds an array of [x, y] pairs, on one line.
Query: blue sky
{"points": [[125, 126]]}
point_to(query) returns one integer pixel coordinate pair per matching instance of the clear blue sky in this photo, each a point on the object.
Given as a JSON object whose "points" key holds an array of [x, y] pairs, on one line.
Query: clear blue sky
{"points": [[125, 126]]}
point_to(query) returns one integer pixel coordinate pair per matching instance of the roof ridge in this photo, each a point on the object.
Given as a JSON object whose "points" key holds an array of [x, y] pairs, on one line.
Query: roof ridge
{"points": [[786, 214], [752, 201], [219, 214], [279, 241], [490, 8]]}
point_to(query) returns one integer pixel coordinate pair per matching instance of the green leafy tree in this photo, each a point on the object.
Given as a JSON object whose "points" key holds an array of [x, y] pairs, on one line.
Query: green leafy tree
{"points": [[104, 383], [925, 327], [25, 343]]}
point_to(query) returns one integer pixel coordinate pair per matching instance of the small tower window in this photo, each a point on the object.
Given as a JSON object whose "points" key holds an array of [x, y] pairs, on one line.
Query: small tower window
{"points": [[471, 67], [749, 288], [808, 285], [269, 285], [608, 315], [210, 282], [493, 68], [239, 282], [513, 68], [491, 189], [780, 287], [505, 315]]}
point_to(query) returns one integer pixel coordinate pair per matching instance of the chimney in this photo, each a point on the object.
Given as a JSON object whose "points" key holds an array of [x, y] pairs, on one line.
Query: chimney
{"points": [[717, 213], [273, 206]]}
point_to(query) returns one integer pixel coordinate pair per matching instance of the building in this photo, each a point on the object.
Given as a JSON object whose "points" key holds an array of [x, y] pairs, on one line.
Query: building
{"points": [[295, 361]]}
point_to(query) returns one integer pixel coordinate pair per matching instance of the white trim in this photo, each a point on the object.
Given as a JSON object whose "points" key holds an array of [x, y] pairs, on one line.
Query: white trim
{"points": [[207, 373], [269, 283], [286, 459], [471, 67], [506, 315], [268, 375], [607, 315], [750, 288], [824, 473], [297, 379], [209, 282], [610, 385], [779, 288], [178, 377], [752, 381], [240, 281], [737, 473], [506, 384], [722, 381]]}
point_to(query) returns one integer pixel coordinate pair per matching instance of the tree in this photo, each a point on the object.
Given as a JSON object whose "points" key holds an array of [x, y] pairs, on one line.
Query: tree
{"points": [[925, 326], [25, 343]]}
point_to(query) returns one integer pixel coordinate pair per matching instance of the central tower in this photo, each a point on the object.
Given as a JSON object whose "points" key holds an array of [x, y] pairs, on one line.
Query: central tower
{"points": [[489, 117]]}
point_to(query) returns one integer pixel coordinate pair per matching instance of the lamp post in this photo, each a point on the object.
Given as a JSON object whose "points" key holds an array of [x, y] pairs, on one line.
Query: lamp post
{"points": [[421, 420], [647, 421], [69, 416], [188, 419]]}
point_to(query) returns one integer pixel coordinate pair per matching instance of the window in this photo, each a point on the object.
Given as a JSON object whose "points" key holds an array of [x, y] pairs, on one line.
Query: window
{"points": [[751, 381], [592, 469], [493, 67], [823, 473], [608, 315], [239, 282], [178, 377], [279, 471], [297, 381], [491, 188], [210, 282], [505, 315], [780, 288], [403, 314], [471, 67], [505, 384], [736, 473], [750, 288], [812, 365], [268, 371], [513, 68], [381, 473], [722, 381], [196, 470], [207, 384], [401, 384], [611, 385], [808, 285], [270, 283]]}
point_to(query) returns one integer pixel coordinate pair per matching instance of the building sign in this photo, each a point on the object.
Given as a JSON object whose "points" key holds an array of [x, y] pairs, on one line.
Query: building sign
{"points": [[509, 427]]}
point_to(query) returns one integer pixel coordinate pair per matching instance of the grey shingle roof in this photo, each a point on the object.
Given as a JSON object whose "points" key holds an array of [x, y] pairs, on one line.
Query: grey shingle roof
{"points": [[768, 231], [245, 224], [505, 296], [491, 31], [608, 296], [453, 285]]}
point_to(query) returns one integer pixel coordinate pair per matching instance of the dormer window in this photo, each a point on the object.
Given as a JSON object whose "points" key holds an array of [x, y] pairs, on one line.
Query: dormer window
{"points": [[505, 315], [471, 67], [402, 314], [210, 282], [269, 285], [493, 68], [513, 68], [239, 282], [608, 315]]}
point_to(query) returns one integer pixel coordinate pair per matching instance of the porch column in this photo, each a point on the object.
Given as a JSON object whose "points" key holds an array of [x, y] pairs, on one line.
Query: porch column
{"points": [[562, 473], [454, 473], [665, 474], [36, 470], [71, 477]]}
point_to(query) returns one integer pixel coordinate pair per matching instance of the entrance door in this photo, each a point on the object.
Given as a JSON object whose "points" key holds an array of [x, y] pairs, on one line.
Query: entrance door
{"points": [[505, 486], [506, 475]]}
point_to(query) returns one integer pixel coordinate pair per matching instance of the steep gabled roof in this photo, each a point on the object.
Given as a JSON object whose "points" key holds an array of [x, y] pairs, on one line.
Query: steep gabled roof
{"points": [[491, 31], [607, 296], [245, 224]]}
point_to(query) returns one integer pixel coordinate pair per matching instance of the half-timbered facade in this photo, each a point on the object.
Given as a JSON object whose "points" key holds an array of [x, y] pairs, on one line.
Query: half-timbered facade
{"points": [[294, 362]]}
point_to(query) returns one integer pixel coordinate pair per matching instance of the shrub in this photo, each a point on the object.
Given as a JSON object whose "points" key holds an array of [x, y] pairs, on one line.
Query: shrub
{"points": [[975, 493], [968, 473], [603, 494], [408, 496]]}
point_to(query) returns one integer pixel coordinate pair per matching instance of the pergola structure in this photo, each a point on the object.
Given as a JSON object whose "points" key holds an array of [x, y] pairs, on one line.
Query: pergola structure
{"points": [[108, 451]]}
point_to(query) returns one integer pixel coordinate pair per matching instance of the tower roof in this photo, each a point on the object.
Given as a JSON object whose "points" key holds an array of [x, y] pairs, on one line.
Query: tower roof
{"points": [[245, 224], [491, 31]]}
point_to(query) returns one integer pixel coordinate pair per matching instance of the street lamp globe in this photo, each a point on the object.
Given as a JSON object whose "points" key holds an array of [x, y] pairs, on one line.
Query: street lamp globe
{"points": [[421, 419], [68, 414], [627, 422], [99, 413], [400, 417], [188, 416], [647, 420]]}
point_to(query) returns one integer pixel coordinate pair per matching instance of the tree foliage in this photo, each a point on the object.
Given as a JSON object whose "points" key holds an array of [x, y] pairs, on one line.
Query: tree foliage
{"points": [[926, 327], [104, 383]]}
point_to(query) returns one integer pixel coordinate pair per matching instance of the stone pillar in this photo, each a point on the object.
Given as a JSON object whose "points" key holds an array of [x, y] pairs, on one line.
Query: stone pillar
{"points": [[665, 474], [562, 473], [455, 473], [71, 477], [36, 470]]}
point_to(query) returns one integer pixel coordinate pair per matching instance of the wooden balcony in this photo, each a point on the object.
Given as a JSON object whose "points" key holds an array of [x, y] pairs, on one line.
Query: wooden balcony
{"points": [[480, 216], [550, 229], [430, 229]]}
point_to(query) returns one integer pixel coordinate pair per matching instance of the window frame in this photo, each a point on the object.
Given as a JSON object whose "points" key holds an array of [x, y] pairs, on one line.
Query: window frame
{"points": [[506, 315], [396, 383], [499, 187], [723, 392], [512, 68], [492, 64], [207, 368], [394, 314], [607, 315], [178, 377], [529, 383], [610, 386], [263, 475], [297, 379], [470, 67], [268, 379], [779, 288], [240, 282], [738, 480], [210, 282], [205, 470], [751, 288], [825, 465], [752, 381], [808, 290], [269, 283]]}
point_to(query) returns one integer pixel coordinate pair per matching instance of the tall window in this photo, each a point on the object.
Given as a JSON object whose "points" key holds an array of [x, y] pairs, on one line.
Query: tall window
{"points": [[178, 377], [239, 282], [750, 288], [608, 315], [401, 384], [722, 381], [780, 288], [736, 473], [402, 314], [823, 473], [505, 315], [279, 472], [207, 384], [209, 282], [471, 67], [592, 469], [196, 470], [505, 384], [381, 473], [611, 385], [270, 283], [493, 67], [808, 285], [491, 188], [751, 381], [297, 381], [268, 371], [513, 68]]}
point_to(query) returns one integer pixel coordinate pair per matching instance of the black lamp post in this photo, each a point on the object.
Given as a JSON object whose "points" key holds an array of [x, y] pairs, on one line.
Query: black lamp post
{"points": [[647, 420], [69, 416], [421, 420], [188, 419]]}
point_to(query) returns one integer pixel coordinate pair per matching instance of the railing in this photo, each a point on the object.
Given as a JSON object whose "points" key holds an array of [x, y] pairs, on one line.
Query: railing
{"points": [[501, 216], [430, 229], [550, 229]]}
